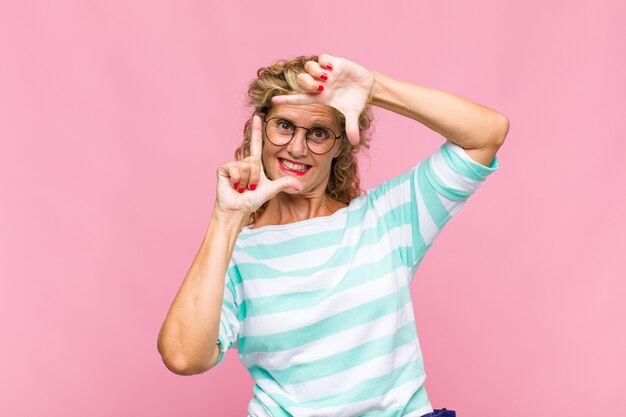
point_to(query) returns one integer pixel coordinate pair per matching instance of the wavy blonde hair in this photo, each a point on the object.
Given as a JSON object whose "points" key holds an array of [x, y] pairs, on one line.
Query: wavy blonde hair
{"points": [[279, 79]]}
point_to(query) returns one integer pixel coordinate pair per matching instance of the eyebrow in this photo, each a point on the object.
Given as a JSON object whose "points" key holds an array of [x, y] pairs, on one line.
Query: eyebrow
{"points": [[315, 124]]}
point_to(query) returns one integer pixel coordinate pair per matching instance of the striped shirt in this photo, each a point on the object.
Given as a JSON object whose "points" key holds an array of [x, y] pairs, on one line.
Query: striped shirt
{"points": [[320, 310]]}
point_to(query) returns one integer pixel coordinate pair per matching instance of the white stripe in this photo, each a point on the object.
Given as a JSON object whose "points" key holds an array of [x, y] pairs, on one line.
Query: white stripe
{"points": [[256, 409], [452, 206], [303, 259], [230, 323], [396, 195], [427, 227], [420, 411]]}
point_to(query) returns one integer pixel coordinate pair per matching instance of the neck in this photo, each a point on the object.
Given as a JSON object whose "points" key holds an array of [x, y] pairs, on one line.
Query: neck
{"points": [[285, 208]]}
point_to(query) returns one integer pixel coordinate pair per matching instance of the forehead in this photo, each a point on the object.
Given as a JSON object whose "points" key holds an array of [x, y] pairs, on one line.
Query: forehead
{"points": [[305, 113]]}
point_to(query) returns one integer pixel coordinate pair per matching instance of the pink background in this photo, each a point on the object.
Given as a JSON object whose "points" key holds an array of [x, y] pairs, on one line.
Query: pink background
{"points": [[114, 116]]}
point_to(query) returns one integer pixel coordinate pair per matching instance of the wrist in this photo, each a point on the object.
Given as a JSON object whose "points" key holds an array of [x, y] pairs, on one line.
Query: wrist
{"points": [[234, 218], [375, 89]]}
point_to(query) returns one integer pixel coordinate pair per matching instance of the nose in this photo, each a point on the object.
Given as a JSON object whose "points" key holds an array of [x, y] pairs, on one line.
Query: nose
{"points": [[297, 146]]}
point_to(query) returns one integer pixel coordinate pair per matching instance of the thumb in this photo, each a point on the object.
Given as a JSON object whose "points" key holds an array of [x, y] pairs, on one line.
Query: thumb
{"points": [[352, 127], [283, 184]]}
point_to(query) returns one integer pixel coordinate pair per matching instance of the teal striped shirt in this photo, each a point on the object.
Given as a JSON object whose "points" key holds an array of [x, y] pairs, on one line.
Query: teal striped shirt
{"points": [[320, 310]]}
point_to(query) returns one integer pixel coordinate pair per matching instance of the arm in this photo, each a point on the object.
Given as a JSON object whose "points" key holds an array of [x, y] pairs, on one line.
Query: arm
{"points": [[476, 128], [347, 86], [187, 340]]}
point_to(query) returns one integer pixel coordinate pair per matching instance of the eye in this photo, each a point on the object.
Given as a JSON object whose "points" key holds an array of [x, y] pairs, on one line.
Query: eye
{"points": [[284, 126], [319, 134]]}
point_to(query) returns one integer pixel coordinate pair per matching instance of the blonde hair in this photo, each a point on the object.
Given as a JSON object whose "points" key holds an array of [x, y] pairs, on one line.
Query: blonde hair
{"points": [[280, 79]]}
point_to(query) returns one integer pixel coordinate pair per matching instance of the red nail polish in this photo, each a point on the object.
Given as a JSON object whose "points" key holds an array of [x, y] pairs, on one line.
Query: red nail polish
{"points": [[241, 190], [253, 187], [320, 88], [235, 186], [324, 76], [329, 66]]}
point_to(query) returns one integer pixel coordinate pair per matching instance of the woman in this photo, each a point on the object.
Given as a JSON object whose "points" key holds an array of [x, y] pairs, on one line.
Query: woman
{"points": [[305, 275]]}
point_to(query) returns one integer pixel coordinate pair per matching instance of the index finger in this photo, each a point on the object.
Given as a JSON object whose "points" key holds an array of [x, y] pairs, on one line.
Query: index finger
{"points": [[256, 143], [299, 98]]}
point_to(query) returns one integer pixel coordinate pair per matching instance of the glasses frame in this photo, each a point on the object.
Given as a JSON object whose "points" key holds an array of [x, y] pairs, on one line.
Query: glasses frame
{"points": [[306, 134]]}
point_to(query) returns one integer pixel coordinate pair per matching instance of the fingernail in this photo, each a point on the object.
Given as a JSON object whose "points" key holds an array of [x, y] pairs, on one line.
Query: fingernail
{"points": [[329, 66], [235, 186], [241, 190], [324, 76], [320, 88], [253, 187]]}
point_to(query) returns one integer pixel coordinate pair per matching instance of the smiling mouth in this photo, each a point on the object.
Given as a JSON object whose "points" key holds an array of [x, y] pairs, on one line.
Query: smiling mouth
{"points": [[298, 169]]}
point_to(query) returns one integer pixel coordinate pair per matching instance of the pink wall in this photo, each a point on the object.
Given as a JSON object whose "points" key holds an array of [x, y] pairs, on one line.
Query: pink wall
{"points": [[115, 115]]}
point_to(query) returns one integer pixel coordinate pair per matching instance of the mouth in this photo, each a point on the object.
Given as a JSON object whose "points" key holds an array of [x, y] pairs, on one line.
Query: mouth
{"points": [[292, 167]]}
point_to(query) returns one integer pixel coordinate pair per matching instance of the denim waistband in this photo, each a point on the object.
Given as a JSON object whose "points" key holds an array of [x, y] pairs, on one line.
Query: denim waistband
{"points": [[441, 413]]}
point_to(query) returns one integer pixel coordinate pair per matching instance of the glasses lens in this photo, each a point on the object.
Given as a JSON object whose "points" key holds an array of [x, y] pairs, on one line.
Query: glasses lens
{"points": [[279, 131], [320, 139]]}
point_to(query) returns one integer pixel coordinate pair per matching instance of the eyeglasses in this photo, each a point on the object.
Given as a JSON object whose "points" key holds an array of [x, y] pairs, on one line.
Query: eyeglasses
{"points": [[319, 139]]}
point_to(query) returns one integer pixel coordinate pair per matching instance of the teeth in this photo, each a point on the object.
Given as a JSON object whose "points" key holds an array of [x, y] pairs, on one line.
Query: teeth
{"points": [[294, 167]]}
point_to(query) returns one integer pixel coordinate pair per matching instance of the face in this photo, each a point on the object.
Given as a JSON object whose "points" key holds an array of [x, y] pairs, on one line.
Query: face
{"points": [[295, 158]]}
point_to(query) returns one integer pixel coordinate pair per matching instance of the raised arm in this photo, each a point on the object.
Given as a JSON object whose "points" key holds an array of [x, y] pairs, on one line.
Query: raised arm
{"points": [[187, 340], [348, 87]]}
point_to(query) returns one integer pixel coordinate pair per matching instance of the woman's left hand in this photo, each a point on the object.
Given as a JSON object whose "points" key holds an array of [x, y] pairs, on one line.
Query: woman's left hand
{"points": [[345, 85]]}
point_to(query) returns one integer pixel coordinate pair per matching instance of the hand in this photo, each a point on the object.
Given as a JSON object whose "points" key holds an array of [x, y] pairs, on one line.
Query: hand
{"points": [[242, 186], [347, 88]]}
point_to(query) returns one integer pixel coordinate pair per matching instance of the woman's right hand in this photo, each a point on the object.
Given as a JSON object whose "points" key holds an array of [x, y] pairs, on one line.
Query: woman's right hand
{"points": [[242, 186]]}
